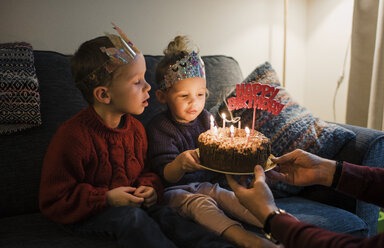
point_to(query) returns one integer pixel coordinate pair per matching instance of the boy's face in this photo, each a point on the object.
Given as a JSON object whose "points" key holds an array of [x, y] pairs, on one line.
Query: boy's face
{"points": [[129, 90], [186, 99]]}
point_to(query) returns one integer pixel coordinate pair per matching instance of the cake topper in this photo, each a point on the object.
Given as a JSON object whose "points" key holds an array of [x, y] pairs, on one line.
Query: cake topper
{"points": [[257, 96]]}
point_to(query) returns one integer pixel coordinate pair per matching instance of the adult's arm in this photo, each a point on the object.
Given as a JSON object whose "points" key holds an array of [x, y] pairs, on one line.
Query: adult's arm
{"points": [[293, 233], [362, 182]]}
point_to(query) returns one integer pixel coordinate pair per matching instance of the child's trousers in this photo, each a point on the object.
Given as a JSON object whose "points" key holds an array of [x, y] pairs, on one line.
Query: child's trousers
{"points": [[208, 205], [158, 226]]}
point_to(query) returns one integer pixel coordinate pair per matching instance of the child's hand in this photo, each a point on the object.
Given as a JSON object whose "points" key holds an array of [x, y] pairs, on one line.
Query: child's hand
{"points": [[148, 193], [189, 161], [122, 196]]}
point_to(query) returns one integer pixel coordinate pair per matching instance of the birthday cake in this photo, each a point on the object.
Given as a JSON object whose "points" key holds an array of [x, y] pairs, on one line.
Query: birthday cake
{"points": [[223, 150]]}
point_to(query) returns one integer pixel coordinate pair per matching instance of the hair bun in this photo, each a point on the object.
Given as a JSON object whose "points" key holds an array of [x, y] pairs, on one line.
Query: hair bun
{"points": [[180, 44]]}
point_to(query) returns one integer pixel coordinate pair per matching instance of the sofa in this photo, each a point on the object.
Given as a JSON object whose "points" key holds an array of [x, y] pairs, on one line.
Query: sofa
{"points": [[22, 153]]}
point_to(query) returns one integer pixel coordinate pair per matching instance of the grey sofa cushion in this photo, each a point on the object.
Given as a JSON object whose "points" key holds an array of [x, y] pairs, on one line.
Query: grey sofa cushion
{"points": [[324, 216]]}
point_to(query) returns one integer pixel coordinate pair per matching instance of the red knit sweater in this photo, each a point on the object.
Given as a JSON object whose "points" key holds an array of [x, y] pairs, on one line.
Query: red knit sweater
{"points": [[85, 159], [362, 182]]}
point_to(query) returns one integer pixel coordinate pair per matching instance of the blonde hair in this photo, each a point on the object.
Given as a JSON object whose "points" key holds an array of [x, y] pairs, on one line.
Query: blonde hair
{"points": [[177, 49]]}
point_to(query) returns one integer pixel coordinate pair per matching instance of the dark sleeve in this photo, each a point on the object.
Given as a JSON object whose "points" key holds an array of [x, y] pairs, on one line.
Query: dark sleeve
{"points": [[292, 233], [163, 148], [362, 182]]}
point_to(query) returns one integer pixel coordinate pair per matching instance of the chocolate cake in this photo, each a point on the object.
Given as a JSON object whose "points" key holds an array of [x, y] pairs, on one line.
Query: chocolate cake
{"points": [[220, 151]]}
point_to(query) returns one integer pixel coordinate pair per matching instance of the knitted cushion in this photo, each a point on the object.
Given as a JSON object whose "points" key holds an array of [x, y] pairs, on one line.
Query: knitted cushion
{"points": [[295, 127], [19, 97]]}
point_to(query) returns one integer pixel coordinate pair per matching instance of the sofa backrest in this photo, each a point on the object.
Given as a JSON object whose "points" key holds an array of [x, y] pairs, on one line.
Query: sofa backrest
{"points": [[22, 153]]}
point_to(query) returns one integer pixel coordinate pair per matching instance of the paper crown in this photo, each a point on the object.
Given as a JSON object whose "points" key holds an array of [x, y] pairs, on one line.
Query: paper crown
{"points": [[122, 52], [188, 67]]}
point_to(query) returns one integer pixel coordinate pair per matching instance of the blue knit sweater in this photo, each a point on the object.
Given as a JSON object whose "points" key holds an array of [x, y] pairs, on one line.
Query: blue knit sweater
{"points": [[167, 138]]}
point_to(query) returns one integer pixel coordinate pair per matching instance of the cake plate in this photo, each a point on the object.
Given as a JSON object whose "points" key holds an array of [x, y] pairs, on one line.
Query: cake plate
{"points": [[270, 166]]}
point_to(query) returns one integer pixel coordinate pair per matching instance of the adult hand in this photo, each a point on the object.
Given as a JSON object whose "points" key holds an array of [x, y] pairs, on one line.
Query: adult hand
{"points": [[258, 199], [189, 161], [122, 196], [302, 168], [148, 193]]}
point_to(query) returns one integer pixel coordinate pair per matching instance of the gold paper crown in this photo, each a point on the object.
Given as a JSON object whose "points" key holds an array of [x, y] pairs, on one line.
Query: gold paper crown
{"points": [[122, 52]]}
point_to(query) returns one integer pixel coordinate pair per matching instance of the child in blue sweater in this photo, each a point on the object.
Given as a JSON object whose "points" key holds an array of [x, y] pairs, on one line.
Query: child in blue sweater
{"points": [[172, 142]]}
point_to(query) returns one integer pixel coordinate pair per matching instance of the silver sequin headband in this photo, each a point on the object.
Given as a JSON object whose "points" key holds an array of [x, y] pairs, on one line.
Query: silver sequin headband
{"points": [[188, 67]]}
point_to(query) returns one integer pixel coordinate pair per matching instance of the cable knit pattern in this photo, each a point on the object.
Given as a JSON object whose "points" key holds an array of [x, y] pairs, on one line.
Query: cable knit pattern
{"points": [[85, 159], [168, 138]]}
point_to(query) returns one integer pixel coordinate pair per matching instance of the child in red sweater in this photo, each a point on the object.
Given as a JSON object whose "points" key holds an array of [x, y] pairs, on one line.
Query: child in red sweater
{"points": [[94, 175]]}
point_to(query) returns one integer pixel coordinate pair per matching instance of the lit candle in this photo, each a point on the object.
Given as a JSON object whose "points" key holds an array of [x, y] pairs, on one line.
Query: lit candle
{"points": [[232, 129], [212, 122], [215, 131], [253, 120], [239, 125], [223, 116], [247, 132]]}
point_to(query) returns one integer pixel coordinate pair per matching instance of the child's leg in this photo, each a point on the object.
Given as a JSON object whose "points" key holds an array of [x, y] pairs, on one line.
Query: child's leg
{"points": [[185, 232], [204, 210], [131, 226], [201, 208], [228, 202]]}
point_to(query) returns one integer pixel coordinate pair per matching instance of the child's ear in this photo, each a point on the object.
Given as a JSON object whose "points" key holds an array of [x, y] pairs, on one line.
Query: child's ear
{"points": [[101, 95], [161, 96]]}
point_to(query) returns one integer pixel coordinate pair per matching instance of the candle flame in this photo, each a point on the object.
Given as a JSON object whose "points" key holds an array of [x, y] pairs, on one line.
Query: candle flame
{"points": [[212, 118]]}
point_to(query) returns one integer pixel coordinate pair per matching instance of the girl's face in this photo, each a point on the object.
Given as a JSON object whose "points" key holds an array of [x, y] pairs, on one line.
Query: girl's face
{"points": [[186, 99], [129, 90]]}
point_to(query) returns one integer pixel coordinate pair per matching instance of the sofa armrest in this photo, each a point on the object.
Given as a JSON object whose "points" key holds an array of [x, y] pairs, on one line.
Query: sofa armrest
{"points": [[366, 149]]}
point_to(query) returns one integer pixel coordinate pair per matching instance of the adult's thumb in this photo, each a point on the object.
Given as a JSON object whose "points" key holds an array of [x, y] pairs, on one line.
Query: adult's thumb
{"points": [[259, 173]]}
